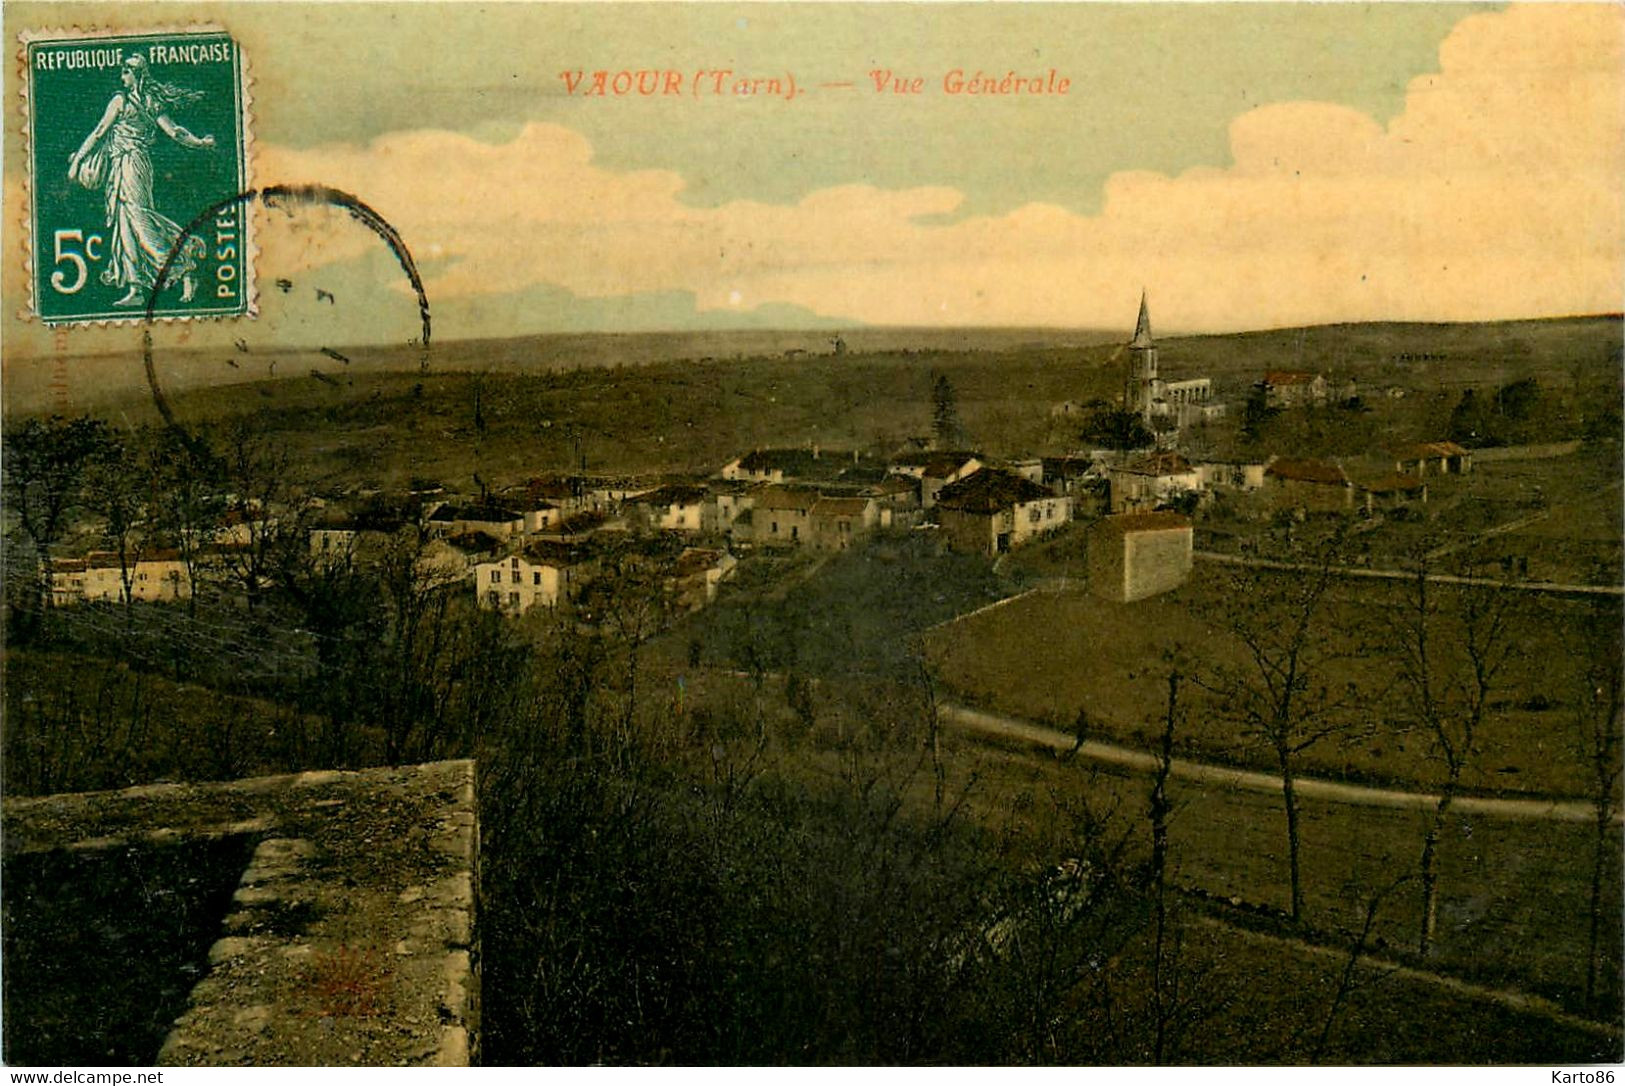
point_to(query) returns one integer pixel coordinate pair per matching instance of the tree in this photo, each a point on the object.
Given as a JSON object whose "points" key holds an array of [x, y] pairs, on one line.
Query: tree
{"points": [[1256, 412], [188, 501], [1597, 717], [1117, 428], [945, 424], [1279, 692], [261, 505], [45, 464], [1451, 647], [119, 486]]}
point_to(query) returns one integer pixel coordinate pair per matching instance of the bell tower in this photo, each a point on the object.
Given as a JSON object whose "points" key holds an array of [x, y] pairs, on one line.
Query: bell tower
{"points": [[1140, 388]]}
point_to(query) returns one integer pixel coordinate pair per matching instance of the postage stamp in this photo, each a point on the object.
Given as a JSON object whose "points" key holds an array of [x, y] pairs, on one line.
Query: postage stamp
{"points": [[132, 138]]}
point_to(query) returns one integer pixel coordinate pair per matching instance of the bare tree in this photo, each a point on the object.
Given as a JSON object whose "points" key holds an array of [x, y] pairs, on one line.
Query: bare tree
{"points": [[1452, 646], [1280, 692], [262, 509], [119, 486], [1347, 984], [45, 464], [1597, 708], [188, 501]]}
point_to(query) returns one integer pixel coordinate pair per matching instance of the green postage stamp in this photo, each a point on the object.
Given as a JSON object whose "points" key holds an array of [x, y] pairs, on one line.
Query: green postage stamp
{"points": [[137, 145]]}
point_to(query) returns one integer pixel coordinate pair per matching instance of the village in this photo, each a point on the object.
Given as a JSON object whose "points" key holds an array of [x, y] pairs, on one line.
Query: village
{"points": [[537, 542]]}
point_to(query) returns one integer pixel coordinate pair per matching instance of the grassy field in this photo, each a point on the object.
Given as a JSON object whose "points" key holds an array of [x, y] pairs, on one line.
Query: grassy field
{"points": [[1049, 655]]}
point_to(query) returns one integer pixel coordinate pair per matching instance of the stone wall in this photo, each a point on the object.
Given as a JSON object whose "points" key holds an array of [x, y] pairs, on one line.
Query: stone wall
{"points": [[350, 939]]}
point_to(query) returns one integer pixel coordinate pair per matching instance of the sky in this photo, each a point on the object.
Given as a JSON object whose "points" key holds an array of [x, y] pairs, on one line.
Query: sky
{"points": [[1250, 165]]}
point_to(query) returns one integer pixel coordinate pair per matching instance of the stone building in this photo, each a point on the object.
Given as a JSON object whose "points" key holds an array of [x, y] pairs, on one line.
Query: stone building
{"points": [[993, 510], [1183, 403], [1136, 555]]}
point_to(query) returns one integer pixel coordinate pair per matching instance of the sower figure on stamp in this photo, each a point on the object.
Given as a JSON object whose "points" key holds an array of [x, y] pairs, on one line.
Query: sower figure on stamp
{"points": [[117, 158]]}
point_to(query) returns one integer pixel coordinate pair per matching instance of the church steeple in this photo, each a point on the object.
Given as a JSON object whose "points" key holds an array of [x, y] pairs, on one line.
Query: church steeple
{"points": [[1142, 327], [1142, 387]]}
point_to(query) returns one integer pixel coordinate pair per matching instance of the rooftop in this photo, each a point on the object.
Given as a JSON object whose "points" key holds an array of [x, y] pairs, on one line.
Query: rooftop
{"points": [[1128, 523], [840, 507], [1427, 450], [1166, 462], [477, 513], [990, 491], [1288, 377], [674, 494], [787, 497], [1307, 471]]}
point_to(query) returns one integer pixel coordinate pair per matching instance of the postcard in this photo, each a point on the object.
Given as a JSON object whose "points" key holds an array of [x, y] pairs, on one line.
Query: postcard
{"points": [[776, 534]]}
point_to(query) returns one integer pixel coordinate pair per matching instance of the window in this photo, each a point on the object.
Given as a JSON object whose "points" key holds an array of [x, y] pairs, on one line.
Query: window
{"points": [[513, 598], [775, 527], [795, 532], [496, 576], [536, 577]]}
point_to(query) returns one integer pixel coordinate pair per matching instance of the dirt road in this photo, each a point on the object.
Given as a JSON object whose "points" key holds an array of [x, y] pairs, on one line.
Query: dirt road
{"points": [[1009, 727]]}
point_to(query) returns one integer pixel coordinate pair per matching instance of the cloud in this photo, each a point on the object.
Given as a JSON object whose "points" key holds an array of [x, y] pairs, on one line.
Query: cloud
{"points": [[1496, 192]]}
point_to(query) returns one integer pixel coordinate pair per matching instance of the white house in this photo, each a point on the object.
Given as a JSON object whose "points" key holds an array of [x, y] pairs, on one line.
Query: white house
{"points": [[674, 508], [543, 575], [157, 577]]}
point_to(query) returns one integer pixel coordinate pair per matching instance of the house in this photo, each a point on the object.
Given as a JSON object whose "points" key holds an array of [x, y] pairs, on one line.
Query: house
{"points": [[1155, 480], [1231, 474], [992, 510], [726, 501], [1393, 491], [1136, 555], [1292, 388], [783, 514], [575, 528], [935, 470], [339, 536], [671, 508], [469, 547], [1068, 409], [451, 519], [782, 465], [542, 575], [1030, 467], [606, 493], [1439, 457], [158, 576], [1314, 486], [898, 497], [837, 522], [697, 573]]}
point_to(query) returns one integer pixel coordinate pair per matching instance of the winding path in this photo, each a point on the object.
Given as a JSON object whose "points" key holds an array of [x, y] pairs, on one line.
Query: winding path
{"points": [[1008, 727]]}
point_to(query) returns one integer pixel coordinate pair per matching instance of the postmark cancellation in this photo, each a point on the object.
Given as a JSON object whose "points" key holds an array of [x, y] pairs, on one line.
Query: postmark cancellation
{"points": [[137, 145]]}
